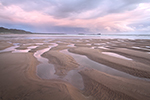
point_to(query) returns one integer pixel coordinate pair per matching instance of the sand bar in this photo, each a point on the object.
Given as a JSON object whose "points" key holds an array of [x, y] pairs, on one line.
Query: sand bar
{"points": [[19, 78]]}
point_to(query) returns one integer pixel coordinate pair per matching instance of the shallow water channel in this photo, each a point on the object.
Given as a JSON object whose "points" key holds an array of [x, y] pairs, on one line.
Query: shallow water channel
{"points": [[85, 62], [45, 70]]}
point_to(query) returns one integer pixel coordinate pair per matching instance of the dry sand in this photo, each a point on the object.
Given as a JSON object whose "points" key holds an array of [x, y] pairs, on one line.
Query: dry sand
{"points": [[19, 80]]}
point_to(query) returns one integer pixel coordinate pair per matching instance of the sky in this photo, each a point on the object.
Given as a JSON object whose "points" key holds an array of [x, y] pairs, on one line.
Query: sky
{"points": [[76, 16]]}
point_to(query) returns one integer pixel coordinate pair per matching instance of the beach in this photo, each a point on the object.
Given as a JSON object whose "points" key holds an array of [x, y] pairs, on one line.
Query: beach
{"points": [[74, 68]]}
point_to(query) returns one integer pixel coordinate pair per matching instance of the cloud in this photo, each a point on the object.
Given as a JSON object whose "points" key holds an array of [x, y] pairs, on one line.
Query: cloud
{"points": [[77, 15], [70, 8]]}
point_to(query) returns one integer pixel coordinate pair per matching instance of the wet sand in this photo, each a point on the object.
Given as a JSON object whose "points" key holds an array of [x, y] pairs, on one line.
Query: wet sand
{"points": [[20, 81]]}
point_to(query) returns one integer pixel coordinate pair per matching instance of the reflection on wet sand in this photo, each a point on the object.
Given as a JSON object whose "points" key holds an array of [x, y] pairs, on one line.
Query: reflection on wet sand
{"points": [[46, 70], [75, 68]]}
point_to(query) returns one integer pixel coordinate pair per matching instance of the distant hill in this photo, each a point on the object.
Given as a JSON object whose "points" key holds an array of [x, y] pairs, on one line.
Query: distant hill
{"points": [[14, 31]]}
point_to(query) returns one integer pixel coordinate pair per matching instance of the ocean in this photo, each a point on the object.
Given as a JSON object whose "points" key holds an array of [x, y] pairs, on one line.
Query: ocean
{"points": [[45, 36]]}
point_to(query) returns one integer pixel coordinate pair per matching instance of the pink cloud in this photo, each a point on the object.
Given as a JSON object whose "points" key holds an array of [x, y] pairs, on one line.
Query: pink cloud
{"points": [[111, 22], [32, 17]]}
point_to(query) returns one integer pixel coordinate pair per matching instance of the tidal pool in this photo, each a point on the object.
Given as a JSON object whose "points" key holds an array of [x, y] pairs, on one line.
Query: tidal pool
{"points": [[139, 48], [87, 63], [9, 49], [45, 70], [116, 55], [14, 50]]}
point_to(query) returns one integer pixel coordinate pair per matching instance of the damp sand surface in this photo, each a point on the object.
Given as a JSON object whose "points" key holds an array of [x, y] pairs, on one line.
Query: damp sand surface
{"points": [[73, 70]]}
